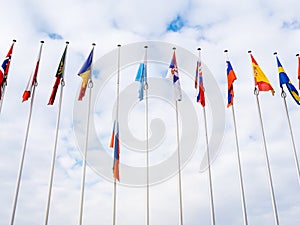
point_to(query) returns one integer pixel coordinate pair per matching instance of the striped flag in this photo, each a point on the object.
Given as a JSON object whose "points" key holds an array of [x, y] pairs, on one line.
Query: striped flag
{"points": [[85, 73], [261, 80], [284, 79], [199, 83], [230, 79], [59, 75], [4, 71], [173, 73], [33, 78], [115, 143]]}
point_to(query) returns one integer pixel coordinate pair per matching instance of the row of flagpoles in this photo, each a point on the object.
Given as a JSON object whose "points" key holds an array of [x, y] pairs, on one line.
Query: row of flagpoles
{"points": [[261, 84]]}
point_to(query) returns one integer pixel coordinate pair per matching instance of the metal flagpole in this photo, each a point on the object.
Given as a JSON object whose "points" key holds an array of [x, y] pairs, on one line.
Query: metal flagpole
{"points": [[23, 152], [117, 120], [208, 163], [90, 86], [4, 87], [239, 162], [178, 162], [54, 150], [147, 133], [256, 93], [283, 95]]}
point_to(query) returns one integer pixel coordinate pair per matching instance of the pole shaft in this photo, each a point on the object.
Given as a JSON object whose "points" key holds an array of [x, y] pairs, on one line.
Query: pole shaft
{"points": [[240, 170], [22, 159], [268, 164], [209, 171], [1, 101]]}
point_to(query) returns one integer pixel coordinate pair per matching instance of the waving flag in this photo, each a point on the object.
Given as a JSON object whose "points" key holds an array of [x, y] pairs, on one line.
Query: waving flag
{"points": [[115, 143], [59, 75], [230, 79], [173, 73], [199, 81], [142, 78], [4, 70], [284, 79], [261, 81], [85, 73], [299, 70], [33, 78]]}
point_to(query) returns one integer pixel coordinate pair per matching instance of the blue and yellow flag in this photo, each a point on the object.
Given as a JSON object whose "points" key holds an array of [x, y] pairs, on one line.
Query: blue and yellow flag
{"points": [[284, 79]]}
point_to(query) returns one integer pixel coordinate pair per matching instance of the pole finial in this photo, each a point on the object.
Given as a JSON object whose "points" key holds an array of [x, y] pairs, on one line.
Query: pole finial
{"points": [[225, 50], [297, 54], [94, 44], [145, 46], [275, 53], [174, 48], [199, 49], [118, 45], [249, 51], [67, 42], [14, 40], [42, 42]]}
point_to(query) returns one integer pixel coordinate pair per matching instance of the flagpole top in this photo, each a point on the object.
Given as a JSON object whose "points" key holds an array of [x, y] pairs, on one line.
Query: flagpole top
{"points": [[174, 48], [199, 49], [14, 40], [225, 50], [249, 51], [42, 42], [275, 53], [145, 46], [94, 44], [67, 42], [297, 54], [119, 45]]}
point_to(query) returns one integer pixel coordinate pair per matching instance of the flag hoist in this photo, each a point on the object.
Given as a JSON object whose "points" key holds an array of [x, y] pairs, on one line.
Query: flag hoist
{"points": [[29, 92], [199, 85], [262, 83], [284, 79], [58, 80], [85, 73], [231, 77], [4, 73], [115, 141]]}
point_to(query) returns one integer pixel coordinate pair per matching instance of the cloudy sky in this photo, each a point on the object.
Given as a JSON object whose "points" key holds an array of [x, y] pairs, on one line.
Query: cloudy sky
{"points": [[261, 26]]}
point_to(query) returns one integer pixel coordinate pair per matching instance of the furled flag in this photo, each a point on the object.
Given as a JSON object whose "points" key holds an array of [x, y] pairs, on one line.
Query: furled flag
{"points": [[299, 70], [33, 78], [141, 76], [261, 81], [115, 143], [173, 73], [199, 83], [230, 79], [284, 79], [4, 70], [85, 73], [59, 75]]}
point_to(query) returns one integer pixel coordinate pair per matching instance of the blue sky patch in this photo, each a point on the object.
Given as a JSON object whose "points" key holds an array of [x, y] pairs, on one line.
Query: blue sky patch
{"points": [[176, 24], [55, 36], [293, 25]]}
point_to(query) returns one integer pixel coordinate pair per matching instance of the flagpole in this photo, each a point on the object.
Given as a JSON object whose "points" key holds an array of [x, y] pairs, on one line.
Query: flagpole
{"points": [[239, 161], [54, 150], [23, 153], [212, 211], [90, 86], [178, 162], [4, 87], [283, 95], [147, 135], [256, 93], [117, 119]]}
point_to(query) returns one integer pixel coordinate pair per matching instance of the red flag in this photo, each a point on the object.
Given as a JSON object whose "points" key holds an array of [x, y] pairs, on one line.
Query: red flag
{"points": [[33, 78], [230, 79], [115, 143], [199, 81]]}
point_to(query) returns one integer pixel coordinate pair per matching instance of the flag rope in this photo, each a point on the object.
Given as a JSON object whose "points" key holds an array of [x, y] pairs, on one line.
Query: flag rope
{"points": [[256, 93], [283, 95]]}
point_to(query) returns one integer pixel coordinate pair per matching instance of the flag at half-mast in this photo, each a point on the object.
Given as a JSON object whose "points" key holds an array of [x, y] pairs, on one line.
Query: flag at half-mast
{"points": [[173, 74], [141, 77], [85, 74], [199, 83], [261, 80], [299, 70], [4, 71], [231, 77], [284, 79], [115, 144], [59, 75], [33, 78]]}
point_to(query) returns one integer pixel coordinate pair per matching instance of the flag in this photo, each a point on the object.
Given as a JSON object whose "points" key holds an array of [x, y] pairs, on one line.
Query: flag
{"points": [[59, 75], [115, 143], [261, 81], [4, 71], [299, 71], [141, 76], [284, 79], [230, 79], [173, 73], [33, 78], [199, 83], [85, 73]]}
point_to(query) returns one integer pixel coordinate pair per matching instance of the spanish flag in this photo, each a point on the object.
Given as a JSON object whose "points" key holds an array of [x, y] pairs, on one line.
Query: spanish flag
{"points": [[261, 80]]}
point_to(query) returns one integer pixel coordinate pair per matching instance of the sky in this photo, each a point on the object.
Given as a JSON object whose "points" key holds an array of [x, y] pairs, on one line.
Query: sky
{"points": [[261, 26]]}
